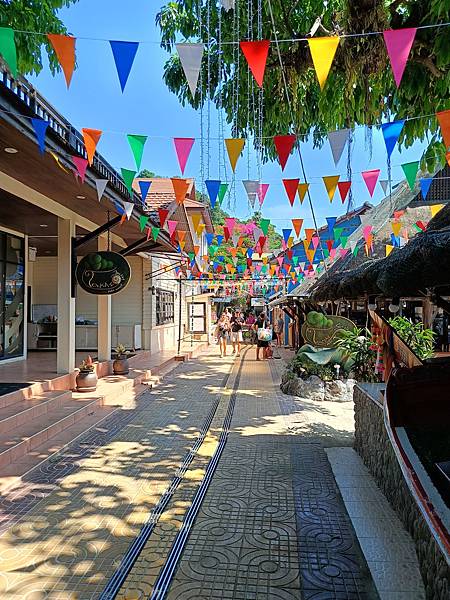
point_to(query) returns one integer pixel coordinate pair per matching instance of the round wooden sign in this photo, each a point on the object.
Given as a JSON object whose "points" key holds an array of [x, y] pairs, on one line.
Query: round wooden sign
{"points": [[103, 273]]}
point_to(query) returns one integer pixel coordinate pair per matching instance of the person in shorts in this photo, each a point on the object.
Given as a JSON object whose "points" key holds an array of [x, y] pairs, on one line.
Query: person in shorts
{"points": [[261, 323], [236, 331], [223, 332]]}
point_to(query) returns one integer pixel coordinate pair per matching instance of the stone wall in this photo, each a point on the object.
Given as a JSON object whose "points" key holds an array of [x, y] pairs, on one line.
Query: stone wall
{"points": [[373, 445]]}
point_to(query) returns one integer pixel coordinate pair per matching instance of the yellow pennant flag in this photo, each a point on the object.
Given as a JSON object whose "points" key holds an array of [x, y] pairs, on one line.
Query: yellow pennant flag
{"points": [[234, 149], [396, 226], [389, 249], [310, 254], [322, 51], [435, 209], [196, 218], [290, 242], [302, 189], [201, 229], [182, 244], [331, 182]]}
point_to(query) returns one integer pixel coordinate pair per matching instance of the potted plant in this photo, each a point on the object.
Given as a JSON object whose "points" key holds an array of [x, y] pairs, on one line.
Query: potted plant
{"points": [[120, 364], [87, 378]]}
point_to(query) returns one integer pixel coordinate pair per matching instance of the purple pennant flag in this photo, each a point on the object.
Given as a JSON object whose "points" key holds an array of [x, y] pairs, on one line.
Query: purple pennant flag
{"points": [[144, 186], [40, 128], [124, 54]]}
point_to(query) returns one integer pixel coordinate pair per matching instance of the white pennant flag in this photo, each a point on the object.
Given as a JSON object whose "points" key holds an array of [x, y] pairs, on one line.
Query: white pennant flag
{"points": [[235, 237], [352, 246], [191, 61], [228, 4], [337, 140], [252, 188], [384, 184], [257, 233], [128, 208], [100, 184]]}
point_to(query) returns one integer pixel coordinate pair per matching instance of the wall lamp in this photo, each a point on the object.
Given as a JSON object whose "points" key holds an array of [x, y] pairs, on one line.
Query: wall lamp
{"points": [[372, 304], [394, 306]]}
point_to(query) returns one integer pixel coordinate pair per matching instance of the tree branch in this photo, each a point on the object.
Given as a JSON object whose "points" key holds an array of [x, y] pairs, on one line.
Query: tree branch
{"points": [[429, 64]]}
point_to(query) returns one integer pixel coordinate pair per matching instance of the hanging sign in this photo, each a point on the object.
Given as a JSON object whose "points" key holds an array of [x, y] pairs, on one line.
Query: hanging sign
{"points": [[103, 273]]}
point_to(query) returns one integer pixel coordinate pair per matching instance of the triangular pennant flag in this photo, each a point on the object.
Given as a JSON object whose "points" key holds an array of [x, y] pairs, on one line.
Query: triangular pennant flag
{"points": [[371, 178], [8, 49], [100, 185], [398, 43], [144, 187], [297, 225], [322, 51], [40, 128], [264, 225], [183, 147], [391, 133], [256, 55], [337, 233], [435, 209], [137, 143], [286, 234], [191, 60], [396, 228], [234, 149], [337, 140], [64, 47], [58, 161], [410, 171], [291, 187], [343, 240], [128, 177], [128, 208], [329, 244], [384, 184], [302, 189], [308, 234], [444, 122], [181, 234], [315, 241], [196, 218], [222, 191], [172, 225], [81, 166], [252, 189], [163, 214], [213, 186], [229, 224], [155, 233], [262, 191], [180, 187], [91, 138], [124, 54], [425, 184], [331, 221], [389, 249], [143, 220], [284, 145], [344, 187], [331, 182]]}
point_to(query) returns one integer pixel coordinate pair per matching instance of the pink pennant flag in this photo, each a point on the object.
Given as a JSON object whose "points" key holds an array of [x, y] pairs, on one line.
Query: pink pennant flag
{"points": [[315, 242], [280, 259], [367, 232], [371, 178], [81, 166], [332, 252], [343, 252], [263, 187], [183, 147], [398, 43], [230, 223], [172, 225]]}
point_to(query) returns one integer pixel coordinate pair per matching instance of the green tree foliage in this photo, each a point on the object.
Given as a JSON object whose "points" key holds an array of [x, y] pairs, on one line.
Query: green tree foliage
{"points": [[149, 174], [37, 16], [360, 88]]}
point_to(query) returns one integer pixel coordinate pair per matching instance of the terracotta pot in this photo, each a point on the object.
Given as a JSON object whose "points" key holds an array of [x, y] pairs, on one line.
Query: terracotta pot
{"points": [[121, 366], [86, 382]]}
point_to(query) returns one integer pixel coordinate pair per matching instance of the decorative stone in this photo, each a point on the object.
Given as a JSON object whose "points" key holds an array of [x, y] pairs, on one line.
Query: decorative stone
{"points": [[313, 389], [337, 391]]}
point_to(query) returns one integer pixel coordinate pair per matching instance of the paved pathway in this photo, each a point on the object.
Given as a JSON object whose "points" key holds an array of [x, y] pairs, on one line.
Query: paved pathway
{"points": [[270, 525]]}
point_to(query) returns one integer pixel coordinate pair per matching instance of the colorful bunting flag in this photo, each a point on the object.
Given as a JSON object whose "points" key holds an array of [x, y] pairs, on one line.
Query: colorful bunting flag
{"points": [[302, 189], [391, 132], [137, 143], [331, 222], [40, 128], [256, 54], [410, 170], [183, 147], [234, 149], [128, 177], [144, 187], [128, 209], [425, 185], [124, 54], [81, 166], [64, 47], [297, 225], [143, 220], [331, 182], [398, 44], [212, 186], [191, 60], [286, 234], [180, 188], [172, 225], [435, 209], [384, 184], [264, 225], [252, 189], [222, 191], [100, 185], [389, 249], [284, 145], [291, 187], [229, 224], [371, 178], [262, 191], [322, 51], [338, 140], [8, 49], [396, 226], [444, 122], [155, 233], [91, 138], [344, 188]]}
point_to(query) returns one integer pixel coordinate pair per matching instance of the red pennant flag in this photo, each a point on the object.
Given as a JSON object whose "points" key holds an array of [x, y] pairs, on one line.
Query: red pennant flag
{"points": [[444, 122], [91, 138], [284, 145], [329, 245], [344, 187], [81, 166], [291, 185], [256, 55], [226, 233], [64, 47], [398, 43], [163, 214], [290, 254]]}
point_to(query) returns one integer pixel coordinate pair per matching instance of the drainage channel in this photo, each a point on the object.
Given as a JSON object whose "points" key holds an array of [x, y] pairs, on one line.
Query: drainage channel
{"points": [[115, 583], [167, 572]]}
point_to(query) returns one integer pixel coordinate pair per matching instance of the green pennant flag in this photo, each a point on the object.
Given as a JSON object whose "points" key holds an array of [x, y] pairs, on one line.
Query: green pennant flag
{"points": [[295, 260], [155, 232], [143, 220], [191, 256], [344, 241], [355, 251], [8, 48], [326, 253], [410, 171], [212, 249], [264, 225], [137, 143], [337, 233], [222, 191], [128, 177]]}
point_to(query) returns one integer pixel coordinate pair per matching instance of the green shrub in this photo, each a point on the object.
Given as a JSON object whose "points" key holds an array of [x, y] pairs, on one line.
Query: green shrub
{"points": [[419, 339]]}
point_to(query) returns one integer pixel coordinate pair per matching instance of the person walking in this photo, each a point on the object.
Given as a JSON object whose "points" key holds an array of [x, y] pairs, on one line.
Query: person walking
{"points": [[279, 328], [236, 331], [263, 335], [250, 322], [223, 332]]}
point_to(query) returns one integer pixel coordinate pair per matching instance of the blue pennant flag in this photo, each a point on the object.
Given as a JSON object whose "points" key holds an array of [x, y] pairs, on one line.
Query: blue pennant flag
{"points": [[219, 239], [119, 207], [209, 238], [425, 186], [213, 186], [395, 241], [331, 223], [40, 128], [144, 186], [124, 53], [250, 252], [240, 268], [391, 133], [286, 235]]}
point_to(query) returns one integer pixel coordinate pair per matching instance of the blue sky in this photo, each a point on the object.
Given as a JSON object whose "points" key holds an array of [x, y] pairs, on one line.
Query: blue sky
{"points": [[148, 108]]}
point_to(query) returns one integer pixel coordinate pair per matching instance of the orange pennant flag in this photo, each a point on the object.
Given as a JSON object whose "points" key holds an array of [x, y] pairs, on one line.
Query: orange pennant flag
{"points": [[310, 254], [196, 250], [331, 182], [91, 138], [297, 225], [181, 235], [180, 187], [309, 233], [444, 122], [322, 51], [64, 47], [302, 189], [234, 149]]}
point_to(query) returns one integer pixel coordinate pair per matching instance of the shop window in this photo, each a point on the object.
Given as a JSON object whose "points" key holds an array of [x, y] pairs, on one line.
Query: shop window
{"points": [[165, 307], [12, 276]]}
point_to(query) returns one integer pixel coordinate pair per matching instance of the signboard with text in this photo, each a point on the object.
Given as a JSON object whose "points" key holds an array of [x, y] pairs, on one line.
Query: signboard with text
{"points": [[103, 273]]}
